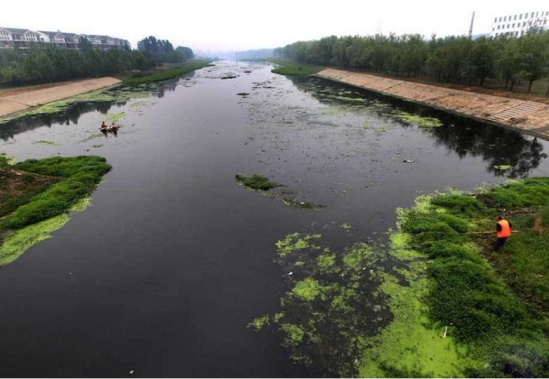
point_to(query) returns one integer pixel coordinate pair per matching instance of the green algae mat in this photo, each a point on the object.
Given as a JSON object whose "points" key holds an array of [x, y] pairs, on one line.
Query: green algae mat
{"points": [[435, 302], [37, 197]]}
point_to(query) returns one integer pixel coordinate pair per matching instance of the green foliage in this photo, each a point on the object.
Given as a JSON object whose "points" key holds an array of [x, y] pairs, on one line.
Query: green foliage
{"points": [[468, 294], [79, 177], [17, 189], [49, 64], [461, 205], [524, 262], [168, 74], [163, 51], [292, 68], [456, 59], [528, 193]]}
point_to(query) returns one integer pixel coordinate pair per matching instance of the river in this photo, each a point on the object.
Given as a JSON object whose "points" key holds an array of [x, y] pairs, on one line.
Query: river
{"points": [[161, 275]]}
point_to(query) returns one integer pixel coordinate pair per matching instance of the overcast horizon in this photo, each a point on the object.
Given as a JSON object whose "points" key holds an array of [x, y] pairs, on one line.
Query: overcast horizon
{"points": [[245, 24]]}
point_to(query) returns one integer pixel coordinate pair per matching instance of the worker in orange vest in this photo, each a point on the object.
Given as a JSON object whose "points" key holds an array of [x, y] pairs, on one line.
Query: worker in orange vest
{"points": [[503, 232]]}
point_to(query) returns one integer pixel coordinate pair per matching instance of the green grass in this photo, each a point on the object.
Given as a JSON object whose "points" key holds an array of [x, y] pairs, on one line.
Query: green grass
{"points": [[524, 260], [78, 176], [17, 189], [456, 308], [293, 68], [36, 197], [169, 73], [472, 297]]}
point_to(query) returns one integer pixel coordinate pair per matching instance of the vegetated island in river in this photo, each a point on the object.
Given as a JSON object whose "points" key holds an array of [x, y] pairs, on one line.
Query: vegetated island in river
{"points": [[444, 306], [277, 191], [170, 72], [291, 68], [37, 196]]}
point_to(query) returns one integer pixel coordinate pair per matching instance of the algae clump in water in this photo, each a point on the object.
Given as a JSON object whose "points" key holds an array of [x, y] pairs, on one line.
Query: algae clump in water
{"points": [[422, 122], [273, 190]]}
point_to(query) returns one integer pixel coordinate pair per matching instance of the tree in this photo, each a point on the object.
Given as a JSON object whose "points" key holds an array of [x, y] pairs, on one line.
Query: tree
{"points": [[186, 52]]}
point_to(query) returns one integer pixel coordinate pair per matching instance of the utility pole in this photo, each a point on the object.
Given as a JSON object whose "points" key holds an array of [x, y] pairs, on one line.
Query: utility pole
{"points": [[471, 28]]}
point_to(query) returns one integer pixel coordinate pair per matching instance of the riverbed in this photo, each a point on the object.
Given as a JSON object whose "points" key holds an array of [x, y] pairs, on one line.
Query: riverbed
{"points": [[162, 274]]}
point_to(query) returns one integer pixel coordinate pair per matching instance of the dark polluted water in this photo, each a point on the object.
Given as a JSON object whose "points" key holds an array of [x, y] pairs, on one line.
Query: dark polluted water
{"points": [[162, 274]]}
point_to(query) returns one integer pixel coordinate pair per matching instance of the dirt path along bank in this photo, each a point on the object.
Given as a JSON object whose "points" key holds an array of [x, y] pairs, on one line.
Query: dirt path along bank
{"points": [[26, 100], [528, 116]]}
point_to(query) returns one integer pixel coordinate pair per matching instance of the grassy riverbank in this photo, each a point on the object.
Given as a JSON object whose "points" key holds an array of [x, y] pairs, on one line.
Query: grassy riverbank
{"points": [[495, 319], [293, 68], [443, 306], [36, 196], [169, 73]]}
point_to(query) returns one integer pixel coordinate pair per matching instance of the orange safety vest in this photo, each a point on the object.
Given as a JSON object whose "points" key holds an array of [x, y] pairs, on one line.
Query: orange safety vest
{"points": [[505, 229]]}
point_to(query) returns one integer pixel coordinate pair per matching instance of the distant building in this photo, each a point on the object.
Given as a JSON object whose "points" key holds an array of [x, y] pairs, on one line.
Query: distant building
{"points": [[518, 24], [25, 38]]}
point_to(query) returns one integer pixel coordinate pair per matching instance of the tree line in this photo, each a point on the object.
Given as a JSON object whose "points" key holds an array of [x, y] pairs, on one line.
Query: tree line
{"points": [[163, 51], [45, 64], [454, 59]]}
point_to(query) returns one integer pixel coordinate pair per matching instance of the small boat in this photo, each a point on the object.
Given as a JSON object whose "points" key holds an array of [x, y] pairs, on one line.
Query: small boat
{"points": [[110, 129]]}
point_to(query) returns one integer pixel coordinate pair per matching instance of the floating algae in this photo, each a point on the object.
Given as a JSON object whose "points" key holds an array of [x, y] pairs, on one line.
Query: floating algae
{"points": [[115, 117], [112, 95], [93, 136], [408, 347], [43, 142], [422, 122], [40, 213], [502, 167], [19, 241], [328, 309], [453, 316], [277, 191]]}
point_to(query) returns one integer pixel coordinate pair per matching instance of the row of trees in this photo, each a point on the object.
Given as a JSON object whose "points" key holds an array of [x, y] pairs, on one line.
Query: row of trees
{"points": [[163, 51], [49, 64], [449, 59]]}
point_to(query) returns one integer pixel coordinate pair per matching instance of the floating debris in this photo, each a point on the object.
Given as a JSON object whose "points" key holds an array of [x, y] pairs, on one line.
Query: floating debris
{"points": [[274, 190]]}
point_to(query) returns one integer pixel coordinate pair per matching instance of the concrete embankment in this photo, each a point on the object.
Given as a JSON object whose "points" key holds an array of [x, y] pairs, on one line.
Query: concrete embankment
{"points": [[26, 100], [528, 116]]}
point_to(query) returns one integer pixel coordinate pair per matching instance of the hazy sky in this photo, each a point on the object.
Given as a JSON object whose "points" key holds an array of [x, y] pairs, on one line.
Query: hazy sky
{"points": [[246, 24]]}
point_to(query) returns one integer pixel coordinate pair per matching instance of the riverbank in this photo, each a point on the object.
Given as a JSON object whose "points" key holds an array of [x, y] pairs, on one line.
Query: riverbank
{"points": [[527, 116], [456, 308], [168, 73], [493, 320], [25, 100], [38, 195]]}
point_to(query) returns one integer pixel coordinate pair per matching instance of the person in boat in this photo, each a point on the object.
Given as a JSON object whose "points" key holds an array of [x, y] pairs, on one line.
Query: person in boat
{"points": [[114, 126], [103, 125]]}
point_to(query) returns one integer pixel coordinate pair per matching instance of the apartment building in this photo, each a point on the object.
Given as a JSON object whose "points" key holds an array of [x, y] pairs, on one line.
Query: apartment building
{"points": [[25, 38], [518, 24]]}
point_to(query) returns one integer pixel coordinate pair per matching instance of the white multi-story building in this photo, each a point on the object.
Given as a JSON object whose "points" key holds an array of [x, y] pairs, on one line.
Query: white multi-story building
{"points": [[518, 24], [25, 38]]}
